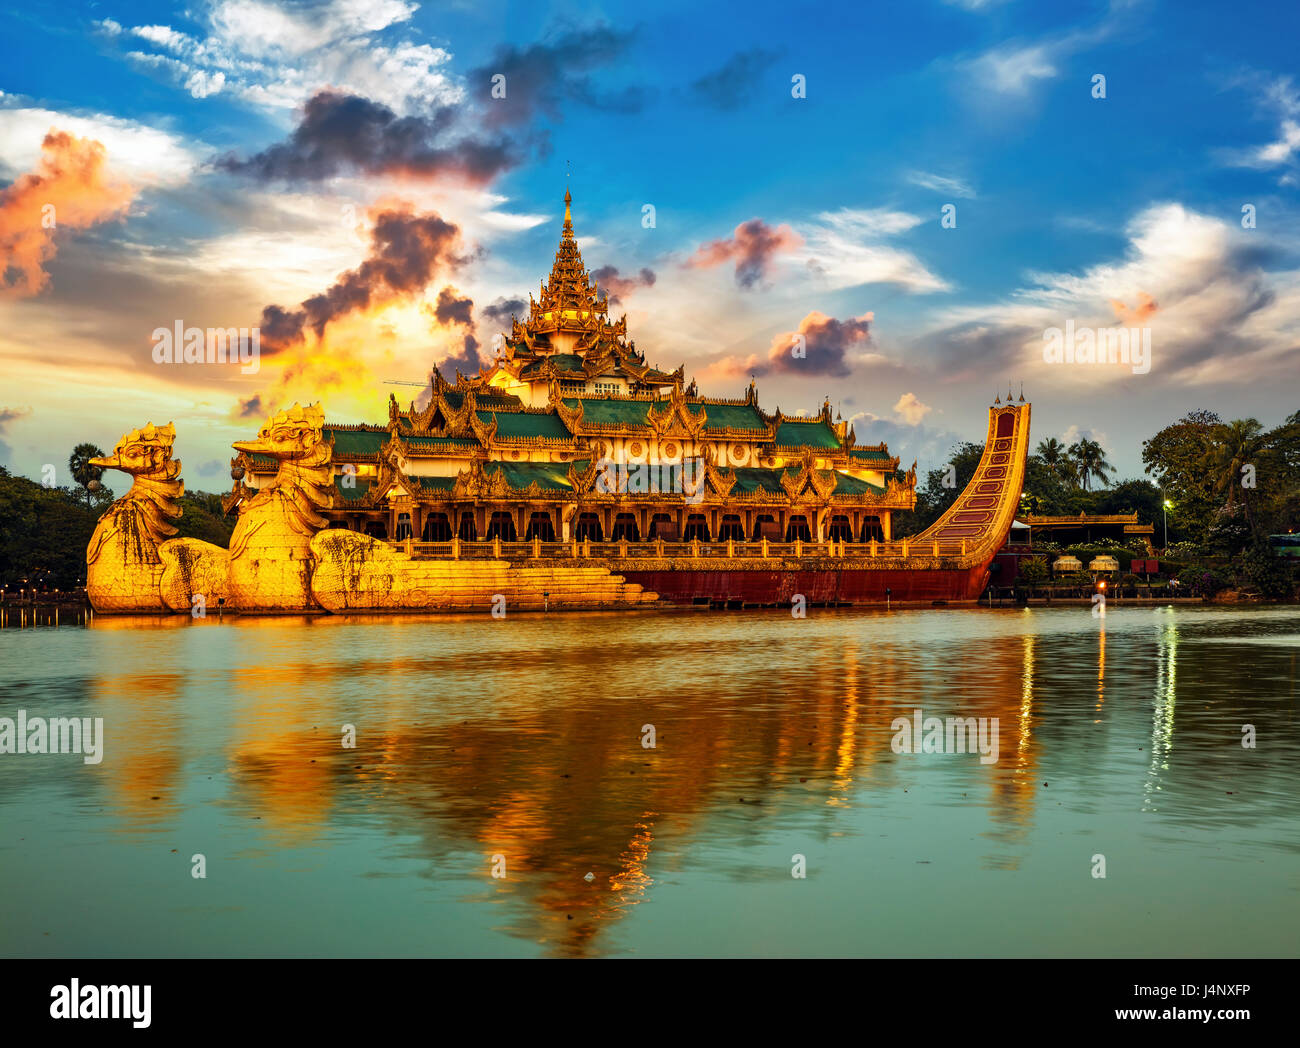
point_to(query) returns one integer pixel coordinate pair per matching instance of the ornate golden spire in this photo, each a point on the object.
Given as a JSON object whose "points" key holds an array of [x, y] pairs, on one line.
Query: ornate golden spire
{"points": [[568, 301]]}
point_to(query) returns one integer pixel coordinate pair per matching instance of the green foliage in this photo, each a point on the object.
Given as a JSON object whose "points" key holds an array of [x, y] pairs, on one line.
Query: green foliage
{"points": [[1089, 460], [1203, 580], [1033, 572], [44, 534], [1262, 570], [202, 518], [45, 531]]}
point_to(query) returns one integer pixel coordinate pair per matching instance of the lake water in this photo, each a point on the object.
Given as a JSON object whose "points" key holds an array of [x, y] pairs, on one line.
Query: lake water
{"points": [[517, 745]]}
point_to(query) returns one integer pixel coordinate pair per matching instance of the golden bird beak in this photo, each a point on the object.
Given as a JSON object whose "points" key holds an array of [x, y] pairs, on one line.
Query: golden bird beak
{"points": [[107, 462], [258, 446]]}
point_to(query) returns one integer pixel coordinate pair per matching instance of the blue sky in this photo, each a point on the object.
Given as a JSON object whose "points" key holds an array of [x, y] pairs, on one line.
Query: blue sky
{"points": [[1099, 211]]}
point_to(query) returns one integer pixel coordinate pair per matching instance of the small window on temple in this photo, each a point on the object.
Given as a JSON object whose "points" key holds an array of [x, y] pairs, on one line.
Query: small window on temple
{"points": [[541, 527], [697, 527], [841, 530], [798, 529], [625, 529], [588, 527], [502, 526], [437, 528], [731, 528]]}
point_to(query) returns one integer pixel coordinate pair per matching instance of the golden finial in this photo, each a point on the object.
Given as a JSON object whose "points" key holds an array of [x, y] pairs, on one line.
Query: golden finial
{"points": [[568, 215], [997, 399]]}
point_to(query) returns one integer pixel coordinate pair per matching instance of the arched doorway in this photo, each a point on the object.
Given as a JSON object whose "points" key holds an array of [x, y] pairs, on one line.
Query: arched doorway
{"points": [[540, 527], [697, 527], [730, 527], [625, 529], [467, 532], [502, 526], [871, 529], [798, 529], [840, 530], [437, 528], [587, 527]]}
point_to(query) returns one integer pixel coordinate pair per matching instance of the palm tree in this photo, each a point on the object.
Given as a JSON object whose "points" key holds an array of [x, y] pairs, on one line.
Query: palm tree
{"points": [[1089, 459], [1236, 444], [1052, 452], [82, 471]]}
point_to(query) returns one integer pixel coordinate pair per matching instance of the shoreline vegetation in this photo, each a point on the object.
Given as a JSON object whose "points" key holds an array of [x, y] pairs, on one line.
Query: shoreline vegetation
{"points": [[1216, 490]]}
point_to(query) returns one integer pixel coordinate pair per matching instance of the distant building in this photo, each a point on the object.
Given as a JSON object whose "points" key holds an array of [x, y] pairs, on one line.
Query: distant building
{"points": [[1089, 527]]}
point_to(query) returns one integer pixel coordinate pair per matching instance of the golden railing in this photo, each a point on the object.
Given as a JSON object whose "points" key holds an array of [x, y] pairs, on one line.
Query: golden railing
{"points": [[496, 549]]}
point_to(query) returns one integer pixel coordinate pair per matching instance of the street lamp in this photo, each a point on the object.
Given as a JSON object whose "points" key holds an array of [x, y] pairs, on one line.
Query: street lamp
{"points": [[1166, 513]]}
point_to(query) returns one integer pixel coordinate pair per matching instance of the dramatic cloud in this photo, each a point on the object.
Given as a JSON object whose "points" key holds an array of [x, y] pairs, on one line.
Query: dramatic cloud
{"points": [[503, 309], [1145, 309], [540, 78], [752, 247], [144, 156], [1222, 316], [345, 133], [451, 309], [910, 409], [71, 189], [407, 252], [735, 83], [7, 416], [821, 346], [618, 286]]}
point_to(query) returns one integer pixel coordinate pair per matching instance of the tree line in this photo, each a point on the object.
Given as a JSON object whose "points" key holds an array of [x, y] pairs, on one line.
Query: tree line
{"points": [[44, 531]]}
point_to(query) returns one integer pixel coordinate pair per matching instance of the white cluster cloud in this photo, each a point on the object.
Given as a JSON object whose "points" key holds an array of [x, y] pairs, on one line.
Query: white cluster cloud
{"points": [[848, 248], [145, 155], [910, 409], [1198, 281], [1280, 98], [276, 57]]}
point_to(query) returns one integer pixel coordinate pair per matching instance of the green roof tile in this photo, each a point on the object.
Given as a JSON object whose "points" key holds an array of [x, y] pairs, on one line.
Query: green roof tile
{"points": [[521, 424], [348, 442], [597, 411], [798, 434], [846, 485], [351, 492], [553, 476], [749, 479], [729, 416]]}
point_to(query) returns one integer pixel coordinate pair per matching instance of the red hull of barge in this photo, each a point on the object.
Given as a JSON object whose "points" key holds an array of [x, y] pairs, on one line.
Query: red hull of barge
{"points": [[850, 586], [970, 533]]}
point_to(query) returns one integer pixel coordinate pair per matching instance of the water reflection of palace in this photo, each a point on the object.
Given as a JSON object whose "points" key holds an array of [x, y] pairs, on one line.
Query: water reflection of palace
{"points": [[545, 766]]}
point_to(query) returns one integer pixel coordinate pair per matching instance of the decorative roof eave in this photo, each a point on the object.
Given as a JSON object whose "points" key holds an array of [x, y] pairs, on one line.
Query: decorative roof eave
{"points": [[245, 462]]}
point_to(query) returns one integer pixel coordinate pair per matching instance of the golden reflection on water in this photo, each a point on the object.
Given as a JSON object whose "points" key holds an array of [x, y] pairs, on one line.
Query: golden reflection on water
{"points": [[531, 749]]}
